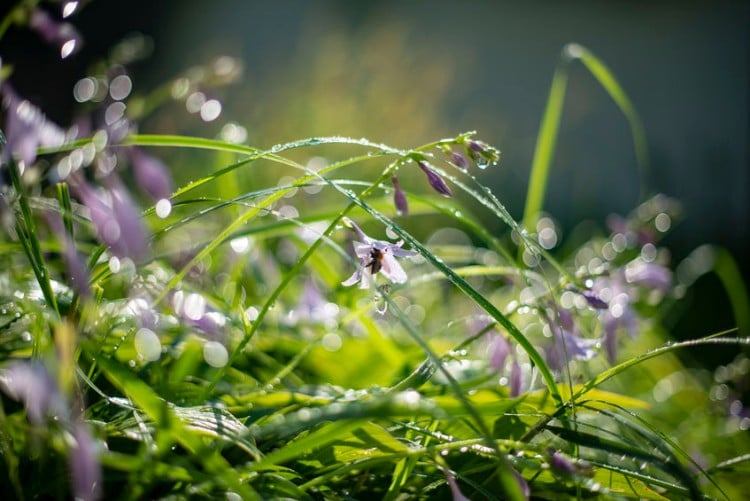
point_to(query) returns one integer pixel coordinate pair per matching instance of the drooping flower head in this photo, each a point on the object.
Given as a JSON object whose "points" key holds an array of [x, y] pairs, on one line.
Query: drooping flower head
{"points": [[376, 256]]}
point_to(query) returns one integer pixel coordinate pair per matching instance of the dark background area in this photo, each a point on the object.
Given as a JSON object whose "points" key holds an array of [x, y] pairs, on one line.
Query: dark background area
{"points": [[683, 63]]}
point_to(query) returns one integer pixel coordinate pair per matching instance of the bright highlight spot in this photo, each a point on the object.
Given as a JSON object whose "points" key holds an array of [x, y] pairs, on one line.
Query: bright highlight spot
{"points": [[194, 306], [147, 345], [120, 87], [163, 208], [68, 48], [331, 342], [215, 354], [240, 245], [210, 110], [85, 89]]}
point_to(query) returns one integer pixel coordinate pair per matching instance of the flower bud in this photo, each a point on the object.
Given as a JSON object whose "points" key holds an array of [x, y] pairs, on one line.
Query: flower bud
{"points": [[437, 182], [399, 198]]}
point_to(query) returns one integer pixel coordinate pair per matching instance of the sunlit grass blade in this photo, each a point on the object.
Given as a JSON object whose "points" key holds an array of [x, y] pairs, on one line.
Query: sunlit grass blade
{"points": [[549, 129]]}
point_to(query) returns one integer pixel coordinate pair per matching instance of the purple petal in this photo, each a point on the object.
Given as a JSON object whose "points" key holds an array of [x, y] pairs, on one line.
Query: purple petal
{"points": [[498, 352], [399, 198], [391, 269], [459, 160], [116, 219], [84, 465], [593, 300], [561, 464], [649, 274], [26, 127], [437, 182], [151, 175], [516, 379]]}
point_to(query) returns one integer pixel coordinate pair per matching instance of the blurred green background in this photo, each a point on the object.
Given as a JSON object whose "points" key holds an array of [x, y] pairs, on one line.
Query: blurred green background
{"points": [[405, 73]]}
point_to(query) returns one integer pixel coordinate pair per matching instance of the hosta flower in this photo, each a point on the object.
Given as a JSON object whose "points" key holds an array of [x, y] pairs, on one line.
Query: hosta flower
{"points": [[566, 343], [26, 128], [115, 217], [377, 256], [621, 289], [32, 384], [151, 174]]}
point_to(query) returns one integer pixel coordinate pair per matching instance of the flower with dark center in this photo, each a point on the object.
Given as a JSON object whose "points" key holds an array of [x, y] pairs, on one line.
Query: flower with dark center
{"points": [[376, 256]]}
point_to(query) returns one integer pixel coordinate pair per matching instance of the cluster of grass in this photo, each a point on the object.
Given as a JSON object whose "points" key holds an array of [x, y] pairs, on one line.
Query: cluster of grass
{"points": [[228, 356]]}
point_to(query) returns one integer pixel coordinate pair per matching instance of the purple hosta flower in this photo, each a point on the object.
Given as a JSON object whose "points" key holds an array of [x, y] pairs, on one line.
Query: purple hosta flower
{"points": [[377, 256], [621, 289], [567, 344], [84, 464], [115, 217], [651, 275], [437, 182], [151, 174], [26, 128], [61, 34], [399, 198], [30, 383]]}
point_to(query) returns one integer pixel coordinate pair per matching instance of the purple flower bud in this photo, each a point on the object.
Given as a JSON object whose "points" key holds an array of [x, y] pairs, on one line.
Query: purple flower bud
{"points": [[561, 464], [84, 465], [399, 198], [150, 174], [459, 160], [476, 146], [437, 182], [483, 152], [62, 35]]}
